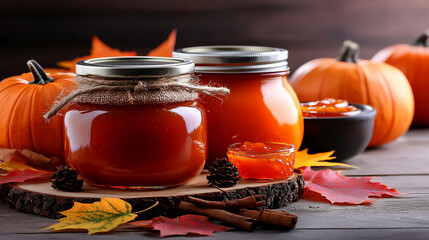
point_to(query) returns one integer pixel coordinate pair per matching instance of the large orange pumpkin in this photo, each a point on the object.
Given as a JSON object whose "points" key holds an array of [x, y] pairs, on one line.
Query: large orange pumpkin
{"points": [[23, 100], [360, 81], [413, 61]]}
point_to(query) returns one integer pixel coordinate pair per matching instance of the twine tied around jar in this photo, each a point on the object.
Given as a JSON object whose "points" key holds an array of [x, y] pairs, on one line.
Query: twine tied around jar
{"points": [[96, 90]]}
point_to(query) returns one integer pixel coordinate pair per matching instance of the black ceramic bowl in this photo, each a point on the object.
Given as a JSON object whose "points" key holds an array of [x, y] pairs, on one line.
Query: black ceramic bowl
{"points": [[347, 135]]}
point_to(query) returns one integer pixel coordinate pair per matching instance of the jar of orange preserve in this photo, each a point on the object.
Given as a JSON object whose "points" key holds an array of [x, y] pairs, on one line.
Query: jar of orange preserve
{"points": [[262, 106], [134, 123]]}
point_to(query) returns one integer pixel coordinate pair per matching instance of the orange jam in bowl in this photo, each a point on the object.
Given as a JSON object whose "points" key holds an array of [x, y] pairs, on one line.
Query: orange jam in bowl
{"points": [[263, 161], [329, 107]]}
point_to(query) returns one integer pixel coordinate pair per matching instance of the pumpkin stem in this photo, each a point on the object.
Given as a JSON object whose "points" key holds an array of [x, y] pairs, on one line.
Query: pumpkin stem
{"points": [[349, 52], [422, 40], [39, 74]]}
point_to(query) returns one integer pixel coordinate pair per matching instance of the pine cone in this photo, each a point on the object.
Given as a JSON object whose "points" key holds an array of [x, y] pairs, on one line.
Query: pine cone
{"points": [[223, 173], [65, 178]]}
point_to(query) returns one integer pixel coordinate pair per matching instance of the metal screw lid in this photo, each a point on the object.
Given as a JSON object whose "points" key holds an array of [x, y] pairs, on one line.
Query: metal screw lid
{"points": [[235, 59], [134, 67]]}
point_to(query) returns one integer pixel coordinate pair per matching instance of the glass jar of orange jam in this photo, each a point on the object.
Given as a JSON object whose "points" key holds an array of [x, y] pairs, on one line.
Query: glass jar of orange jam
{"points": [[262, 106], [263, 160], [329, 107], [136, 146]]}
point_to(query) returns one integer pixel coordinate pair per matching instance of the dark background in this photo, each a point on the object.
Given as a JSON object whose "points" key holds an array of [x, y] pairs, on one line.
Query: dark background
{"points": [[50, 31]]}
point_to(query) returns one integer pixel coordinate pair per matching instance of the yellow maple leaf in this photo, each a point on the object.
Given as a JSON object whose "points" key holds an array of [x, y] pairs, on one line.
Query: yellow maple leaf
{"points": [[23, 159], [16, 163], [96, 217], [304, 159], [12, 165]]}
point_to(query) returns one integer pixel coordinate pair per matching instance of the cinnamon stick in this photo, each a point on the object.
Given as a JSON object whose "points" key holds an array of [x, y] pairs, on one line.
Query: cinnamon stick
{"points": [[242, 222], [247, 202], [271, 218]]}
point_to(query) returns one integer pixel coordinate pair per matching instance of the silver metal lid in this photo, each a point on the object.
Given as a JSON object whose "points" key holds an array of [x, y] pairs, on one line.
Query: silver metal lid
{"points": [[135, 67], [235, 59]]}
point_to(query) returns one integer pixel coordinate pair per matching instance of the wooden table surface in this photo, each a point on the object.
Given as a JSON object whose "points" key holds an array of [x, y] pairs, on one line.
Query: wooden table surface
{"points": [[403, 164]]}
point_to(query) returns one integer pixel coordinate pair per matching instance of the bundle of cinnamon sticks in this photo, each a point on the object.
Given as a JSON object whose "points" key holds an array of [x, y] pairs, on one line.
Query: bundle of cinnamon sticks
{"points": [[245, 213]]}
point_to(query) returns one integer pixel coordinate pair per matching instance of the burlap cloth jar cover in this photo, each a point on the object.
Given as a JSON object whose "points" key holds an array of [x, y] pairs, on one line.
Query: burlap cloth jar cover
{"points": [[117, 82]]}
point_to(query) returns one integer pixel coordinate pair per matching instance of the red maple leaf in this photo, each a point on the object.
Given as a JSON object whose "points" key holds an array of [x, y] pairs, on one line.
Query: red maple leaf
{"points": [[166, 48], [182, 225], [337, 188], [22, 175]]}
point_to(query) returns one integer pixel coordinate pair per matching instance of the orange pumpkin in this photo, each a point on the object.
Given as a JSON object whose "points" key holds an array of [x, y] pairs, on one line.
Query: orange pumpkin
{"points": [[413, 61], [360, 81], [23, 100]]}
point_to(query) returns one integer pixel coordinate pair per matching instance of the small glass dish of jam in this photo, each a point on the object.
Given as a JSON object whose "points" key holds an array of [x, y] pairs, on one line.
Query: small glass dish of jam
{"points": [[263, 161], [334, 124]]}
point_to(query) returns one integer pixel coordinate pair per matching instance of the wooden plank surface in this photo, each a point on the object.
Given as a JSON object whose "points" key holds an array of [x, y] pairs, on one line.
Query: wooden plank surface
{"points": [[402, 164], [405, 156]]}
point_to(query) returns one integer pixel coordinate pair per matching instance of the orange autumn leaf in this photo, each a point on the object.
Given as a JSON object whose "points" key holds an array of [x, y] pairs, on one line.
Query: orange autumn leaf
{"points": [[336, 188], [99, 49], [13, 159], [16, 162], [304, 159], [166, 48]]}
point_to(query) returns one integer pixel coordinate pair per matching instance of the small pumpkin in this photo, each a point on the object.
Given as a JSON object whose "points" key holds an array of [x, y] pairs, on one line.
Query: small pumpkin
{"points": [[360, 81], [413, 61], [23, 100]]}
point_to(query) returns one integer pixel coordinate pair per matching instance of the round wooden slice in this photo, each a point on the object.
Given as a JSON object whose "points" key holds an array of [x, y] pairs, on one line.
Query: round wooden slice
{"points": [[38, 197]]}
